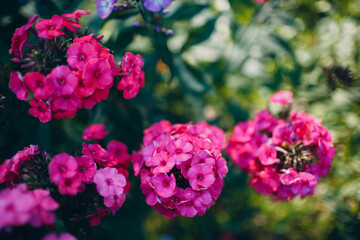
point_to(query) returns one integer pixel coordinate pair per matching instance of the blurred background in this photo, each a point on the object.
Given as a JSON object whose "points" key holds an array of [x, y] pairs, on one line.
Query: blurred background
{"points": [[223, 61]]}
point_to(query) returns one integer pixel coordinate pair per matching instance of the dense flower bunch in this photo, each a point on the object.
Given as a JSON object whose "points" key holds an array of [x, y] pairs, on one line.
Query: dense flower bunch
{"points": [[284, 157], [181, 167], [96, 178], [66, 70]]}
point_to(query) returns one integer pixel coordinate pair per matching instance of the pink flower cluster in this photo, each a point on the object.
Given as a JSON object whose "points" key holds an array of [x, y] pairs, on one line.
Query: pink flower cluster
{"points": [[181, 167], [133, 76], [9, 168], [67, 74], [19, 206], [106, 168], [284, 158]]}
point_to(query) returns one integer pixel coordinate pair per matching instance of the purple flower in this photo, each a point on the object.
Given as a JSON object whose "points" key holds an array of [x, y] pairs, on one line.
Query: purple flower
{"points": [[156, 5], [104, 7]]}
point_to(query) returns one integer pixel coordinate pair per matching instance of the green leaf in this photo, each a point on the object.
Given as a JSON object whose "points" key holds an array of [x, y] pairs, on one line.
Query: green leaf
{"points": [[198, 35], [185, 11]]}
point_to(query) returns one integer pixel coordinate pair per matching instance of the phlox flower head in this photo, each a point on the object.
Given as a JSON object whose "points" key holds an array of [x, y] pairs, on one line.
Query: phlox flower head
{"points": [[284, 157], [80, 73], [181, 167]]}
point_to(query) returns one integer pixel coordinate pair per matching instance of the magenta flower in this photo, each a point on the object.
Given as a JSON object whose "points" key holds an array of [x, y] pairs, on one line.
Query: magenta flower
{"points": [[149, 191], [86, 168], [94, 132], [163, 162], [40, 110], [36, 82], [164, 185], [99, 72], [118, 154], [267, 155], [77, 14], [62, 236], [156, 5], [95, 151], [203, 157], [15, 206], [63, 80], [201, 175], [69, 102], [17, 85], [70, 185], [78, 54], [179, 150], [61, 167], [305, 184], [50, 28], [114, 202], [266, 181], [20, 37], [41, 212], [282, 97], [109, 182]]}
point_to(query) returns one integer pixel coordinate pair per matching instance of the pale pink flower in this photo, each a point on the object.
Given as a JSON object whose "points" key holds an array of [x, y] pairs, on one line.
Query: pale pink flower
{"points": [[109, 182]]}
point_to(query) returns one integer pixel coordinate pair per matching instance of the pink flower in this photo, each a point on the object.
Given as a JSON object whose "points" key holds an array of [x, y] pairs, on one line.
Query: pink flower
{"points": [[70, 185], [63, 236], [149, 192], [134, 77], [20, 37], [266, 181], [17, 85], [15, 206], [162, 163], [164, 185], [267, 155], [203, 157], [260, 1], [40, 110], [282, 97], [77, 14], [61, 167], [118, 154], [289, 176], [188, 209], [95, 131], [114, 202], [41, 212], [305, 185], [86, 168], [243, 132], [50, 28], [201, 175], [109, 182], [99, 72], [95, 151], [36, 82], [59, 114], [180, 150], [69, 102], [78, 54], [63, 80]]}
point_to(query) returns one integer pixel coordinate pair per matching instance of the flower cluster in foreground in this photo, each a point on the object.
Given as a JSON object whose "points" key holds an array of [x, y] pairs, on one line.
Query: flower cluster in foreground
{"points": [[67, 68], [96, 178], [181, 167], [284, 157]]}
